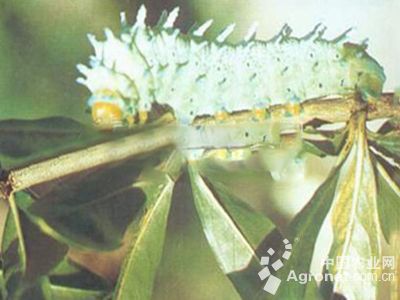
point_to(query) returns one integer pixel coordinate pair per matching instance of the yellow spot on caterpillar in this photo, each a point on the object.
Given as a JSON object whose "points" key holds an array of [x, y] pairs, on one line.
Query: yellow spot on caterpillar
{"points": [[221, 116], [239, 154], [221, 154], [143, 116], [293, 108], [106, 115], [260, 114], [229, 154]]}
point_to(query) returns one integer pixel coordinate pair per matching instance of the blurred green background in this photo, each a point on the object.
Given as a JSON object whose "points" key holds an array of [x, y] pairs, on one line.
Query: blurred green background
{"points": [[42, 41]]}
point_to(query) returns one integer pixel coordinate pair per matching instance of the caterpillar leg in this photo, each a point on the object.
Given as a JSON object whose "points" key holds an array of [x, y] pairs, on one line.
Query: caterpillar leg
{"points": [[222, 154], [130, 120], [293, 109], [143, 117], [239, 154], [230, 154]]}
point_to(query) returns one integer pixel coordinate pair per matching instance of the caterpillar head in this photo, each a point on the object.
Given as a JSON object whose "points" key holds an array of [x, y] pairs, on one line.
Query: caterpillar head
{"points": [[111, 104], [364, 70], [107, 109], [116, 76]]}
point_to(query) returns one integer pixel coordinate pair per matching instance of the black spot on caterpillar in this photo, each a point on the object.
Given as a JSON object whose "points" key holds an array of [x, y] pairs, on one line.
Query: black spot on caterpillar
{"points": [[195, 77]]}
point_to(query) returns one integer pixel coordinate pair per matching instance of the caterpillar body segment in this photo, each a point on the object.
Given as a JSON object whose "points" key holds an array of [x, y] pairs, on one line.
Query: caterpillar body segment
{"points": [[160, 66]]}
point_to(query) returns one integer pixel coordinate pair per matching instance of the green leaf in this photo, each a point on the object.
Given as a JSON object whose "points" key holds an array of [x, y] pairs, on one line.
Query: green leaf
{"points": [[23, 249], [349, 195], [70, 275], [26, 141], [390, 125], [56, 291], [2, 285], [231, 247], [70, 281], [248, 182], [227, 224], [356, 234], [312, 291], [68, 293], [254, 225], [303, 233], [388, 144], [388, 198], [323, 143], [40, 290], [91, 209], [318, 148], [141, 263]]}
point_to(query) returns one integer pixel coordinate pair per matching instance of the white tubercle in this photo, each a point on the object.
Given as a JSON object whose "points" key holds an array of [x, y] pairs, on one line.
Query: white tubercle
{"points": [[251, 33], [83, 69], [169, 23], [141, 17], [225, 33], [123, 18], [203, 28]]}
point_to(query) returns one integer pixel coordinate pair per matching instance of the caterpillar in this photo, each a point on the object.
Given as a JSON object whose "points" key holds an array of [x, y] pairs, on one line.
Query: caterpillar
{"points": [[148, 67]]}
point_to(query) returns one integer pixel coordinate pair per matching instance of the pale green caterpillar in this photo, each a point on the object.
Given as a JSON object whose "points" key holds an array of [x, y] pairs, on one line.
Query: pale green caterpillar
{"points": [[148, 67]]}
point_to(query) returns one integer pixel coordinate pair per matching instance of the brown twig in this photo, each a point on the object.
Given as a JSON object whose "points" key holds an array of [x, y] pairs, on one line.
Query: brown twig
{"points": [[331, 110], [98, 155]]}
